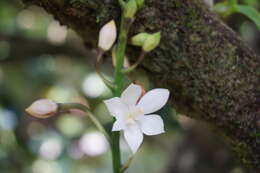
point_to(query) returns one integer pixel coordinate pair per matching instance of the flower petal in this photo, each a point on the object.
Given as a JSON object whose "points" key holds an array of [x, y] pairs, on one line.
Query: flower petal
{"points": [[151, 124], [154, 100], [131, 94], [116, 107], [134, 137], [118, 125]]}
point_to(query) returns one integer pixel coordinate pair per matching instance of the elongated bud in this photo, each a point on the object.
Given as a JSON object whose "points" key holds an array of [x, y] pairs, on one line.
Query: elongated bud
{"points": [[140, 3], [152, 42], [139, 39], [130, 9], [42, 108], [107, 36]]}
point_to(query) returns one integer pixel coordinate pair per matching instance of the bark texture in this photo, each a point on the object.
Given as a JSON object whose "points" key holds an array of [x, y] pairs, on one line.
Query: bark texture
{"points": [[24, 49], [213, 76]]}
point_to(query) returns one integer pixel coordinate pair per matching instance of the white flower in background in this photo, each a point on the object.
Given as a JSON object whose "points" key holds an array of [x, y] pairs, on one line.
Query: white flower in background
{"points": [[107, 36], [134, 117], [42, 108]]}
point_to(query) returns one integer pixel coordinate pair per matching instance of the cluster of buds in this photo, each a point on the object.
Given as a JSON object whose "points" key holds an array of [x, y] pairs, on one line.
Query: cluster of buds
{"points": [[108, 33], [147, 41]]}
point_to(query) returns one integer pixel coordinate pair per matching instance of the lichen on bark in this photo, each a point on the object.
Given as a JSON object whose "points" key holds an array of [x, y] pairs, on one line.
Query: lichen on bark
{"points": [[213, 76]]}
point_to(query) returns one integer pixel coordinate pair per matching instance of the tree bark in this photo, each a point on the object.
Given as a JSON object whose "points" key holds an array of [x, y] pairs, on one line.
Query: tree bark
{"points": [[22, 49], [212, 75]]}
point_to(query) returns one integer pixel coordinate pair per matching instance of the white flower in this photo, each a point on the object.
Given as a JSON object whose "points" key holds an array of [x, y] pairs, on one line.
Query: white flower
{"points": [[107, 36], [43, 108], [134, 117]]}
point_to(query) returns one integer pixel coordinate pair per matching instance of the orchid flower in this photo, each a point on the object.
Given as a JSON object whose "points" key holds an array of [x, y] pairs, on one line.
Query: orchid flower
{"points": [[133, 113]]}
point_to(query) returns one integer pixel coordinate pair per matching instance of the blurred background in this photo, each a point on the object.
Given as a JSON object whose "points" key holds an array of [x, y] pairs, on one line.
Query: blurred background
{"points": [[39, 58]]}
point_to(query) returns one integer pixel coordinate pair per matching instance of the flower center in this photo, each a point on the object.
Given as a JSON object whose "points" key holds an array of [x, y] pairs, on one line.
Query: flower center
{"points": [[133, 115]]}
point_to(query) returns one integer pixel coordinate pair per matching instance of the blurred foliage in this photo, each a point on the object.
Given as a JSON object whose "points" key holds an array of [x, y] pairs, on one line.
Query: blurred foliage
{"points": [[248, 8]]}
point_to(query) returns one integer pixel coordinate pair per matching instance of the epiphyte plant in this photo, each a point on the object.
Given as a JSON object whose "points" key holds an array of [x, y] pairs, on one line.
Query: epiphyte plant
{"points": [[132, 109]]}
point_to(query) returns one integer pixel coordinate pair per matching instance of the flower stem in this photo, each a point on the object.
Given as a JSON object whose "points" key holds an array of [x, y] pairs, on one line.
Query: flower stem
{"points": [[132, 67], [127, 164], [120, 53], [107, 82], [63, 107], [116, 157], [119, 82]]}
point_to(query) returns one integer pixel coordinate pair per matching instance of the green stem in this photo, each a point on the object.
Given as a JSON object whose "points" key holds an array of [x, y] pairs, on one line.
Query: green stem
{"points": [[63, 107], [120, 53], [119, 82], [116, 157]]}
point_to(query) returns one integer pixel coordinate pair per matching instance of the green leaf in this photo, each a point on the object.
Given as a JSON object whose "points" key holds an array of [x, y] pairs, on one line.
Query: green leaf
{"points": [[232, 2], [250, 12], [252, 3], [223, 8]]}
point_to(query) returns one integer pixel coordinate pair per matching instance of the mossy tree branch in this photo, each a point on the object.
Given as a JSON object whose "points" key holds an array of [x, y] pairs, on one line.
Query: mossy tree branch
{"points": [[22, 48], [212, 74]]}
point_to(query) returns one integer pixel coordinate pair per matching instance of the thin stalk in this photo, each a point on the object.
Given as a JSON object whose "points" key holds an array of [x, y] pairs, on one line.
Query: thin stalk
{"points": [[132, 67], [127, 164], [108, 83], [63, 107]]}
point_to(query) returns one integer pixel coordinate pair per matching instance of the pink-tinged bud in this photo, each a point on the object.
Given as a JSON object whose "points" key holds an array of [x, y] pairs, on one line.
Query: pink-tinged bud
{"points": [[107, 36], [42, 108]]}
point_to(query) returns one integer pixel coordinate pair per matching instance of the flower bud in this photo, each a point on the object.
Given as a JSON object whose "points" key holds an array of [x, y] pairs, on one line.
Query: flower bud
{"points": [[107, 36], [130, 9], [139, 39], [42, 108], [140, 3], [152, 42]]}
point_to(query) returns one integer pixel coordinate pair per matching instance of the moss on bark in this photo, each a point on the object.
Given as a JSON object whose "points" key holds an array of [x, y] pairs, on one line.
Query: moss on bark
{"points": [[213, 76]]}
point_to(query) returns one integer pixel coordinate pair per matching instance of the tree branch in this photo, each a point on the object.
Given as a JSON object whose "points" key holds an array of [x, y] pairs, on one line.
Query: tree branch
{"points": [[21, 48], [213, 76]]}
